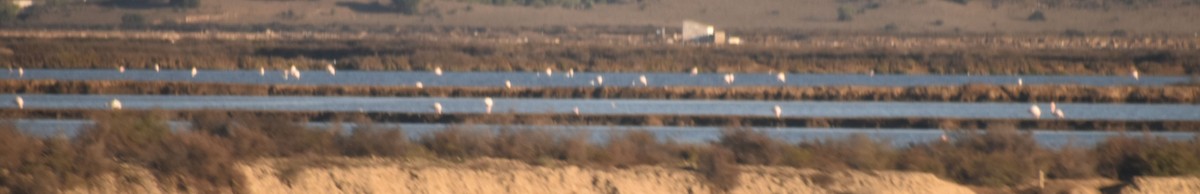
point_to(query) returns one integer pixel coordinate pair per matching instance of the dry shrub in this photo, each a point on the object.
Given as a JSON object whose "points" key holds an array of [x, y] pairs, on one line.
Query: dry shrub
{"points": [[855, 152], [524, 144], [575, 148], [719, 168], [751, 147], [637, 147], [1070, 162], [998, 157], [456, 142], [1125, 157], [202, 162], [291, 137], [367, 140], [128, 136]]}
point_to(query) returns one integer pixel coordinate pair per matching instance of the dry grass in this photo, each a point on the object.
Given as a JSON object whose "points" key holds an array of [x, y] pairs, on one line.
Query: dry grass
{"points": [[201, 159]]}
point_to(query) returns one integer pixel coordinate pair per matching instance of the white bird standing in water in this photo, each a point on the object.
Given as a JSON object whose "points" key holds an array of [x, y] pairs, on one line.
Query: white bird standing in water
{"points": [[571, 73], [695, 71], [549, 72], [1035, 111], [156, 69], [1059, 113], [419, 85], [437, 71], [781, 77], [729, 79], [295, 73], [262, 71], [20, 102], [599, 80], [194, 71], [778, 111], [488, 101], [944, 137], [437, 108], [1053, 107], [331, 70], [115, 104], [1020, 82], [507, 84], [1134, 73], [643, 80], [121, 69], [872, 74], [20, 72], [576, 110]]}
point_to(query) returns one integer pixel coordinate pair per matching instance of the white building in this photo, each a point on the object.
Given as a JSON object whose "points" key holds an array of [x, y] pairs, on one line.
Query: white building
{"points": [[22, 4], [697, 32]]}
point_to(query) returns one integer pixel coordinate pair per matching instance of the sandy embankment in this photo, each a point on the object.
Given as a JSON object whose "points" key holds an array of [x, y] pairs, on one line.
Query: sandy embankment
{"points": [[504, 176]]}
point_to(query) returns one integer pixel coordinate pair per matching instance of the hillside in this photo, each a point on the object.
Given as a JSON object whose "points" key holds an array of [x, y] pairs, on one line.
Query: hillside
{"points": [[906, 16]]}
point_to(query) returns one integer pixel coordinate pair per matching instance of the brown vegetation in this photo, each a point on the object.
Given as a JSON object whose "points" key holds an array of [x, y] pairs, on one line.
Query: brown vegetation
{"points": [[959, 93], [200, 159], [672, 120], [419, 54]]}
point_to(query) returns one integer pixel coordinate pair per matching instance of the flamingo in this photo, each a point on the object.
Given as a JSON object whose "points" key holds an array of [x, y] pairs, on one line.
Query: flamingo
{"points": [[194, 72], [331, 70], [1059, 113], [1134, 73], [1035, 111], [643, 80], [121, 69], [695, 71], [20, 102], [419, 85], [488, 101], [437, 71], [437, 108], [778, 111], [156, 67], [729, 79], [115, 104], [507, 84], [295, 72], [781, 77], [599, 80]]}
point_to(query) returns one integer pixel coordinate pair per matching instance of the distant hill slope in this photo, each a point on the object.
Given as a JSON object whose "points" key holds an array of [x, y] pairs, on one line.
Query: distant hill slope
{"points": [[908, 16]]}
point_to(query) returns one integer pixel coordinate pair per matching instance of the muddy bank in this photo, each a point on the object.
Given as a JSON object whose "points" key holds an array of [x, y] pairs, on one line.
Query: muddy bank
{"points": [[953, 93], [505, 176], [658, 120]]}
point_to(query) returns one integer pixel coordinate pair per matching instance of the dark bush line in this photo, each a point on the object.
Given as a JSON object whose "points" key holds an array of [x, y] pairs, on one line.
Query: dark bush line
{"points": [[201, 159], [416, 54], [953, 93], [667, 120]]}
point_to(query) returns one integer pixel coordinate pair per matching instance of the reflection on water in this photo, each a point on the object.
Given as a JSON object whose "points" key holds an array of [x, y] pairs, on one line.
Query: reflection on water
{"points": [[621, 106], [897, 137], [529, 79]]}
